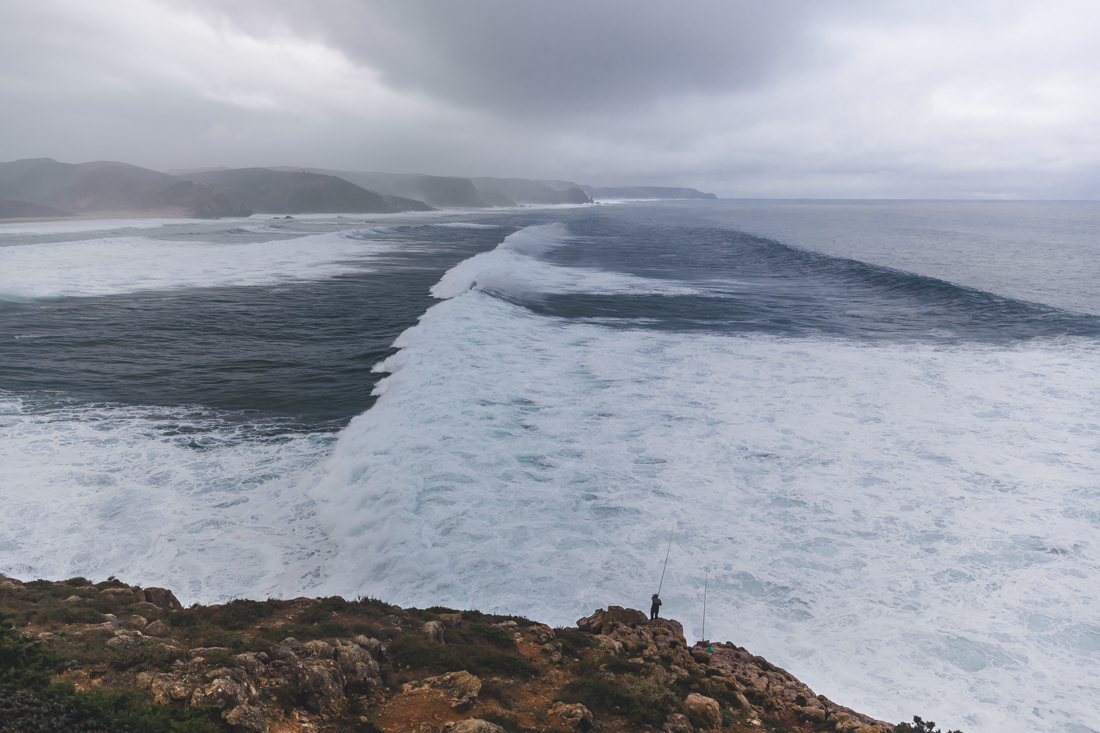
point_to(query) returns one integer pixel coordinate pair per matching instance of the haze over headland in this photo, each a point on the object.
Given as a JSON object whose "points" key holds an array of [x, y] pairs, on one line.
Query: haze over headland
{"points": [[46, 188], [748, 99]]}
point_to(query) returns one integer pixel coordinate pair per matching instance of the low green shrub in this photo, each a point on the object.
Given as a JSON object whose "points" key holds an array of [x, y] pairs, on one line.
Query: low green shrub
{"points": [[640, 701], [242, 613], [148, 654], [919, 726], [496, 691], [480, 633], [415, 651], [30, 704], [573, 642]]}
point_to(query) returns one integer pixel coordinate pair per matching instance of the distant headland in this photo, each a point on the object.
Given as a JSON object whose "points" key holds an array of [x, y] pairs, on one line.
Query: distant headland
{"points": [[44, 188]]}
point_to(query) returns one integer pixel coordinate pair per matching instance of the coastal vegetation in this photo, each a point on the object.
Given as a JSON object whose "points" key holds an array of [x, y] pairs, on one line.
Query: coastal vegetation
{"points": [[82, 656]]}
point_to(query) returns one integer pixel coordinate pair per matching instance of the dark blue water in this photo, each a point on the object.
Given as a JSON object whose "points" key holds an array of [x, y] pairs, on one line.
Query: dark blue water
{"points": [[876, 424]]}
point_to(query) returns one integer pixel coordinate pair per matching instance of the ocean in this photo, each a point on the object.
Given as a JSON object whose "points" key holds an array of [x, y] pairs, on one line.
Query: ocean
{"points": [[874, 427]]}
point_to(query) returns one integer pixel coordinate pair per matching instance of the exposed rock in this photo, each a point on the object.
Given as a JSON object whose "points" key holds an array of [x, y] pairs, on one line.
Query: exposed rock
{"points": [[707, 708], [356, 663], [157, 628], [323, 682], [73, 599], [246, 719], [450, 620], [677, 723], [122, 594], [222, 693], [143, 607], [373, 646], [577, 715], [162, 598], [603, 622], [122, 641], [471, 725], [137, 622], [316, 650], [433, 630], [461, 688], [252, 663], [167, 687], [551, 651], [543, 632]]}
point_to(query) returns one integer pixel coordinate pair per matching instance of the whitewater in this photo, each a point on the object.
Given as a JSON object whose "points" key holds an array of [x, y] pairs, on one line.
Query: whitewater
{"points": [[890, 476]]}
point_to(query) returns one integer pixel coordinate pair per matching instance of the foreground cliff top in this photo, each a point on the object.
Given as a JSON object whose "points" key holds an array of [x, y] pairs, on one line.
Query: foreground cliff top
{"points": [[334, 665]]}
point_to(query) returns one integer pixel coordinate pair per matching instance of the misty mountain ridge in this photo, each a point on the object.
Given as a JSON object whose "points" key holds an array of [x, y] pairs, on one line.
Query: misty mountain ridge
{"points": [[45, 188]]}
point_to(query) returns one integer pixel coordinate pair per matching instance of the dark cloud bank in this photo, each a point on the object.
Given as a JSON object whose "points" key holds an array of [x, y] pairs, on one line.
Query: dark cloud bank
{"points": [[800, 98]]}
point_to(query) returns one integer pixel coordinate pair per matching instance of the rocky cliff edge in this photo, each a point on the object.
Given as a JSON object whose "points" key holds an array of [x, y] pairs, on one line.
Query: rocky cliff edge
{"points": [[328, 664]]}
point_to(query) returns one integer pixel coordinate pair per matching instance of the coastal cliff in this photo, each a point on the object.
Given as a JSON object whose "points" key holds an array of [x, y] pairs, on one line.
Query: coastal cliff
{"points": [[108, 656]]}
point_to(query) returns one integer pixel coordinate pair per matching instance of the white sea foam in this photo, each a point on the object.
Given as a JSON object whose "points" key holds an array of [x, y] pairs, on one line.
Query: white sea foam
{"points": [[88, 225], [509, 269], [160, 496], [908, 528], [466, 225], [119, 265]]}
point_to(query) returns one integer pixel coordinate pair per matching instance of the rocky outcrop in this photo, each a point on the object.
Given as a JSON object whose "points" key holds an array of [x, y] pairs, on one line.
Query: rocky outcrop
{"points": [[472, 725], [706, 708], [460, 688], [617, 671], [575, 715], [162, 598]]}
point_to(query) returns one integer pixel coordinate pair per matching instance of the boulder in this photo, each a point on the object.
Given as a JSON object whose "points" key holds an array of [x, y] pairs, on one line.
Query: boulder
{"points": [[602, 622], [356, 663], [167, 687], [137, 622], [251, 663], [449, 620], [157, 628], [552, 651], [315, 650], [222, 693], [543, 632], [122, 594], [323, 682], [471, 725], [577, 715], [143, 607], [161, 598], [122, 642], [677, 723], [433, 630], [461, 688], [707, 708], [374, 647], [246, 719]]}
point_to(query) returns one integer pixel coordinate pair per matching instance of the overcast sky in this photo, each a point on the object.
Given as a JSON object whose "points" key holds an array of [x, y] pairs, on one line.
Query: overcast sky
{"points": [[804, 98]]}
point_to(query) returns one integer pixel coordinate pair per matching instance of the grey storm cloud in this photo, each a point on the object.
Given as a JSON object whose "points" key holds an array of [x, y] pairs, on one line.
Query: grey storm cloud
{"points": [[798, 98], [561, 59]]}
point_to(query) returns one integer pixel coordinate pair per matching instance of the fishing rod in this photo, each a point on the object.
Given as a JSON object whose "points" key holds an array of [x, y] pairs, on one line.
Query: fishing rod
{"points": [[705, 576], [669, 550]]}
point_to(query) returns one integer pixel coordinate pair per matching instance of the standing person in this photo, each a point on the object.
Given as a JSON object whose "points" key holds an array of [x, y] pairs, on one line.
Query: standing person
{"points": [[655, 608]]}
